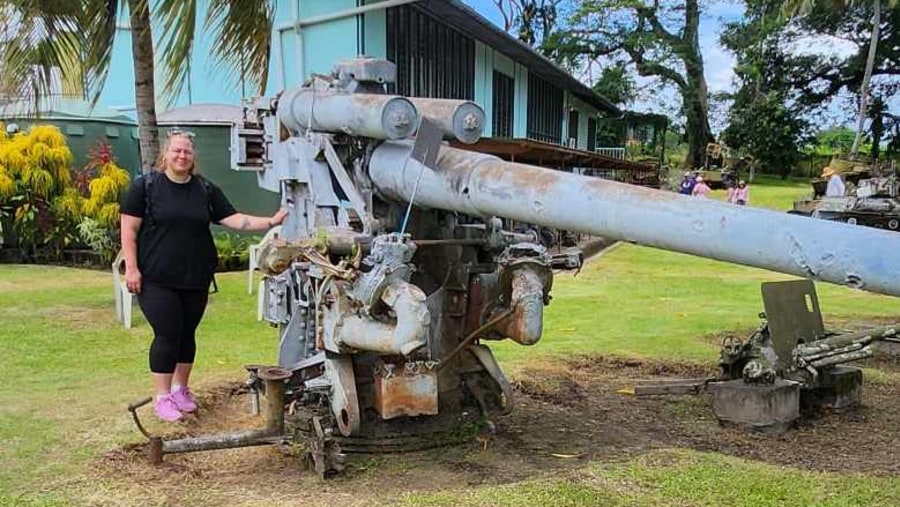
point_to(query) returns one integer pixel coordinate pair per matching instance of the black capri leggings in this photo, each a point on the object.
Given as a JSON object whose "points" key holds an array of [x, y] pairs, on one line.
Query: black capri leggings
{"points": [[174, 315]]}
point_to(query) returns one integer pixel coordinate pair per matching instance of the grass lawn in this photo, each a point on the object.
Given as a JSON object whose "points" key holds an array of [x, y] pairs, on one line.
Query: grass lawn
{"points": [[69, 370]]}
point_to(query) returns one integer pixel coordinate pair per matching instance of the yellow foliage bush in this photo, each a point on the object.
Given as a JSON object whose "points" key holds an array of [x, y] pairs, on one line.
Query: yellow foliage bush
{"points": [[48, 135], [69, 204], [37, 161], [36, 169], [7, 185]]}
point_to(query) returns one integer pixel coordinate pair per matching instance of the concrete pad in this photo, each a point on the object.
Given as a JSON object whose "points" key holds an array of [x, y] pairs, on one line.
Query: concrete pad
{"points": [[838, 388], [759, 406]]}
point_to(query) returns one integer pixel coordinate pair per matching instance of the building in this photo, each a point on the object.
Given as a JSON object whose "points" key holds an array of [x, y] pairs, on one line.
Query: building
{"points": [[85, 127], [536, 112]]}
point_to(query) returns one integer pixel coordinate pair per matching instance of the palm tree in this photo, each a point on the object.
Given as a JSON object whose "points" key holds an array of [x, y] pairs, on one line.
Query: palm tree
{"points": [[74, 39], [796, 8]]}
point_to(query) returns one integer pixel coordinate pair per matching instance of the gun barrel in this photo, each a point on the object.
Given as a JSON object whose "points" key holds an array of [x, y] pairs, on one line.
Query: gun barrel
{"points": [[360, 114], [863, 337], [484, 185], [459, 119]]}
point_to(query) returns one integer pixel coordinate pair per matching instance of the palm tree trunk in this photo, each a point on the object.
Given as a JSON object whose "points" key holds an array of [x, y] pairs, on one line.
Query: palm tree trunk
{"points": [[864, 89], [144, 88]]}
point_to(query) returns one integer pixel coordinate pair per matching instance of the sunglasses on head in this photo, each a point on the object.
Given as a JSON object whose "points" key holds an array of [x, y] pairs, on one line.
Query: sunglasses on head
{"points": [[177, 131]]}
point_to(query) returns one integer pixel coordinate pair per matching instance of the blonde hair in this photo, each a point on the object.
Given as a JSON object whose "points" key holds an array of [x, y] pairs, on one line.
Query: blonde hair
{"points": [[161, 158]]}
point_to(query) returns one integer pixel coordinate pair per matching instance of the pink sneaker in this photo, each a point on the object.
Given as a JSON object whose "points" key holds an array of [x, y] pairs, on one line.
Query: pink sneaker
{"points": [[184, 399], [166, 409]]}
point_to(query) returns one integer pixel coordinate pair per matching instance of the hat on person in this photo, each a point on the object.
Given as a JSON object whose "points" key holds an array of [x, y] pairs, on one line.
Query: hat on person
{"points": [[742, 182], [827, 171], [687, 174], [699, 179]]}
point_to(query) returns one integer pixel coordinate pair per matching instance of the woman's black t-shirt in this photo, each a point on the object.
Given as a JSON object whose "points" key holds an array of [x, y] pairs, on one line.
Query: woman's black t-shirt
{"points": [[175, 246]]}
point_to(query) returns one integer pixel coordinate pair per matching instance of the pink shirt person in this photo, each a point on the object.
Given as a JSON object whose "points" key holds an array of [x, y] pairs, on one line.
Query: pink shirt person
{"points": [[741, 194], [701, 188]]}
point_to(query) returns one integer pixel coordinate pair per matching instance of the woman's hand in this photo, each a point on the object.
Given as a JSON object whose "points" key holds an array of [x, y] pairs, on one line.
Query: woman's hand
{"points": [[278, 217], [133, 280]]}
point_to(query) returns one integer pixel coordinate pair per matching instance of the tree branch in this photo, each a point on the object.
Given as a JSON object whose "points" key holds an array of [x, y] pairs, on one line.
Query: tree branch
{"points": [[646, 68], [649, 14]]}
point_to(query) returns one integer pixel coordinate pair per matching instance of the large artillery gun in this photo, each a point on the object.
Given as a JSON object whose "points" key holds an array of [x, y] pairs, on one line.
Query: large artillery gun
{"points": [[399, 259]]}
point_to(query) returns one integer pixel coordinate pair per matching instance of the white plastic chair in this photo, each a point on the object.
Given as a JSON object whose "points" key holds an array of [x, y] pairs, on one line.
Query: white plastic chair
{"points": [[254, 254], [124, 299]]}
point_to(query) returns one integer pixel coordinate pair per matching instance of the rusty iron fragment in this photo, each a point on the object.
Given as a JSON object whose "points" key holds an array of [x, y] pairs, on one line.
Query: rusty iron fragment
{"points": [[406, 389]]}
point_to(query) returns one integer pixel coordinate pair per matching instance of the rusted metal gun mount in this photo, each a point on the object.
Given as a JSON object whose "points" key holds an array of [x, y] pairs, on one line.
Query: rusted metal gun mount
{"points": [[791, 343], [398, 258]]}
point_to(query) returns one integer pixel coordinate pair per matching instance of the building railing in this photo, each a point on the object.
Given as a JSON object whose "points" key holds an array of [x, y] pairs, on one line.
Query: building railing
{"points": [[608, 151]]}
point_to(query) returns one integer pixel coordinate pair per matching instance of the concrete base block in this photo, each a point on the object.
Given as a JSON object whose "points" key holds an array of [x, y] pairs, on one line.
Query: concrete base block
{"points": [[838, 388], [766, 407], [887, 348]]}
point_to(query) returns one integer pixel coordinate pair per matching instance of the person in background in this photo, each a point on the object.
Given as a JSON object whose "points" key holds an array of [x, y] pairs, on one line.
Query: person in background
{"points": [[729, 193], [700, 188], [170, 258], [836, 187], [741, 194], [687, 184]]}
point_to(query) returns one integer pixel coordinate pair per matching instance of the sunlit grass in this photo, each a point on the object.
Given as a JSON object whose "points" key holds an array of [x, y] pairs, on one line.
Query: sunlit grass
{"points": [[69, 370]]}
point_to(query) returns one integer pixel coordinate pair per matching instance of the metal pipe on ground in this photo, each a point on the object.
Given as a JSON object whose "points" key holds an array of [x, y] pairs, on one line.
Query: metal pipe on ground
{"points": [[271, 434]]}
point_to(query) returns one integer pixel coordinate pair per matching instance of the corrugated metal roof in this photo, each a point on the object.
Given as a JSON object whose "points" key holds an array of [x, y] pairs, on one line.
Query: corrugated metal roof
{"points": [[63, 108], [201, 114], [465, 19]]}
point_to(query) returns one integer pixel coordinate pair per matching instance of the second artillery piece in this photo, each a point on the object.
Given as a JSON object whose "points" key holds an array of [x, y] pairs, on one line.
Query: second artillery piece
{"points": [[789, 362], [398, 262]]}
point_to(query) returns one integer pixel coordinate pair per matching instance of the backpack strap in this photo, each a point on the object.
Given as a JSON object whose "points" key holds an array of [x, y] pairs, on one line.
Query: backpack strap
{"points": [[148, 180], [207, 193]]}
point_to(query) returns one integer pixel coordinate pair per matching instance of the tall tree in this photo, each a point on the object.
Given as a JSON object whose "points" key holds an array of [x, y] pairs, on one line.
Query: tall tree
{"points": [[75, 37], [804, 7], [533, 20], [661, 39], [765, 119]]}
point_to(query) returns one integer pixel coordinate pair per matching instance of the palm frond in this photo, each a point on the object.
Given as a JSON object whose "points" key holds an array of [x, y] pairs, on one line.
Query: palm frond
{"points": [[42, 42], [98, 20], [243, 31], [178, 19]]}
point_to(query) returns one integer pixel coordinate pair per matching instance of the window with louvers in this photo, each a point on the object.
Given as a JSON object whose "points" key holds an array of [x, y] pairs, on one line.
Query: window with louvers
{"points": [[433, 60], [503, 99], [545, 111]]}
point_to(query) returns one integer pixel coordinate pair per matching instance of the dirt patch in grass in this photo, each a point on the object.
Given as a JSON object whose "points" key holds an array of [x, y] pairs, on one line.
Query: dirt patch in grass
{"points": [[565, 417]]}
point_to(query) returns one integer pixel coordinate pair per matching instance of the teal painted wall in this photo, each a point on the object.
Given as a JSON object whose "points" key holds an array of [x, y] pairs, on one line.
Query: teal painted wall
{"points": [[206, 82], [486, 61], [520, 114], [585, 111], [327, 43], [375, 33], [322, 46], [284, 66], [484, 84]]}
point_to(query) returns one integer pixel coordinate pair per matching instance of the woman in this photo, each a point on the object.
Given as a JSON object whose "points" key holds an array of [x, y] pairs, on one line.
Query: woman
{"points": [[701, 188], [170, 259], [742, 194]]}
